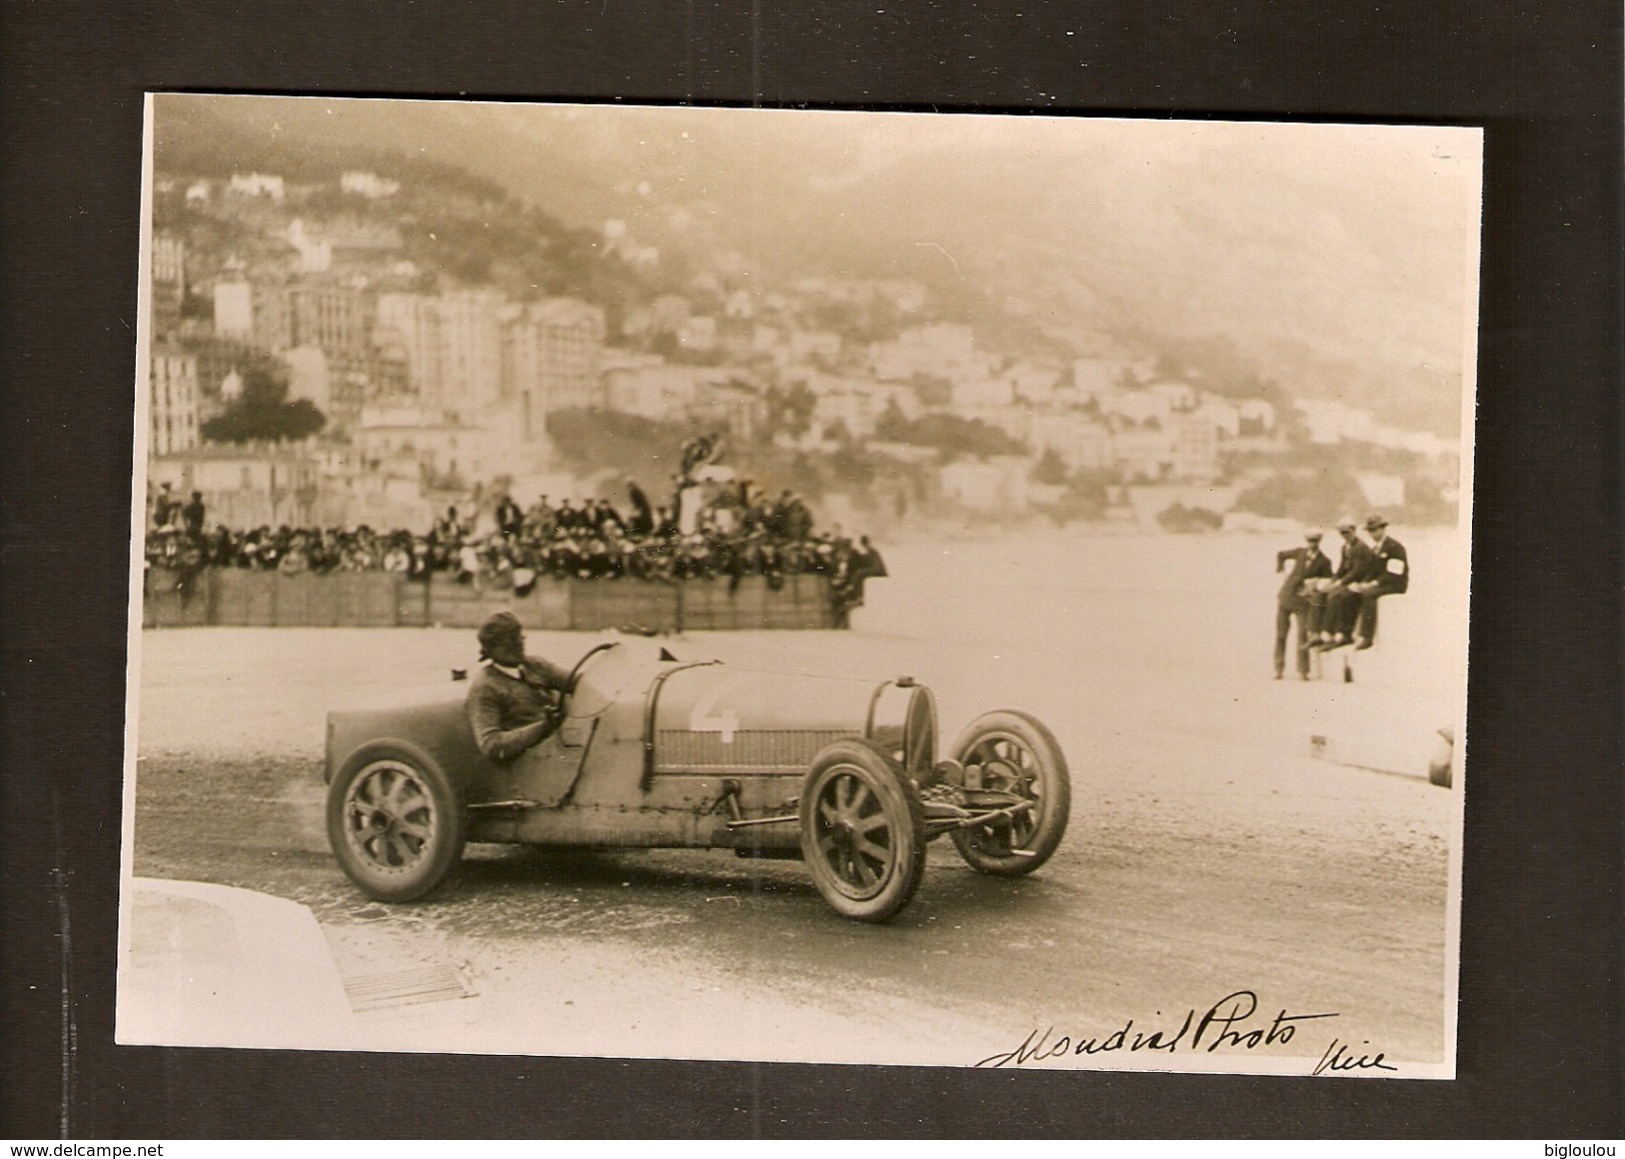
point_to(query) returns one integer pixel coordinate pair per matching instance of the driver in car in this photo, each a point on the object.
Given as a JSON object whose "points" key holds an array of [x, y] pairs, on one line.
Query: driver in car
{"points": [[516, 699]]}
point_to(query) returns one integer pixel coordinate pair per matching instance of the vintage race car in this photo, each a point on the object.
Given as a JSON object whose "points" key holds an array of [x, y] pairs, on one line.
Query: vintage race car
{"points": [[653, 752]]}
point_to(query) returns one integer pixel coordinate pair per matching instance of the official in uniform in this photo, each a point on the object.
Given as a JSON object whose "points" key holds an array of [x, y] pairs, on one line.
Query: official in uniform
{"points": [[1392, 578], [1292, 602], [516, 699]]}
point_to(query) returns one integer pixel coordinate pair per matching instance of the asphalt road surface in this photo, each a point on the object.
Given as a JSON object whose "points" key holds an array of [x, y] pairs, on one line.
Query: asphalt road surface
{"points": [[1213, 867]]}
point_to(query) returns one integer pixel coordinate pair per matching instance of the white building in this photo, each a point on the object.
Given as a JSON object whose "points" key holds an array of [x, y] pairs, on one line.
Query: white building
{"points": [[172, 402], [1381, 489], [258, 185], [1180, 396], [1224, 415], [470, 327], [822, 345], [253, 312], [169, 260], [245, 487], [443, 447], [1142, 454], [1034, 381], [411, 323], [698, 333], [309, 377], [234, 310], [942, 350], [315, 254], [972, 393], [1193, 443], [656, 391], [552, 354], [741, 411], [1081, 442], [995, 486], [1093, 377], [368, 185], [1136, 406]]}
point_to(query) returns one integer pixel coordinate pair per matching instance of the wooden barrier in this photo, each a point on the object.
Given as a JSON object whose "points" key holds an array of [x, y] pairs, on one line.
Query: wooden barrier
{"points": [[241, 598], [653, 606]]}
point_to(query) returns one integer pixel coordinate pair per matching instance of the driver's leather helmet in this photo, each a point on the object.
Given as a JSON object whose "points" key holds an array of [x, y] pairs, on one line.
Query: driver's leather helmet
{"points": [[501, 627]]}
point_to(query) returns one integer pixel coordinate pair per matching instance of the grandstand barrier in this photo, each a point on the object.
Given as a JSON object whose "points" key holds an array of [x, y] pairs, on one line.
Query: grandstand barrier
{"points": [[238, 597]]}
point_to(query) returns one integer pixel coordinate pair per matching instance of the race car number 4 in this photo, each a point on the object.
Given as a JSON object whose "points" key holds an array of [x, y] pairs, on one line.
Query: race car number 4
{"points": [[705, 718]]}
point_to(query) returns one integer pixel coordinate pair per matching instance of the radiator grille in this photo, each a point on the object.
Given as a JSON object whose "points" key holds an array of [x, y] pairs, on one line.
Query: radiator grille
{"points": [[758, 750]]}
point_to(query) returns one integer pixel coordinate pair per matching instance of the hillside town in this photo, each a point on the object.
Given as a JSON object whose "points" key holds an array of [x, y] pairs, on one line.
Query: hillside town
{"points": [[366, 349]]}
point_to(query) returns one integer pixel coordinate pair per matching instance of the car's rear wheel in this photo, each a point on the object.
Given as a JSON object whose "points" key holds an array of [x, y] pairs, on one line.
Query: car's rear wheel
{"points": [[1014, 753], [861, 833], [395, 822]]}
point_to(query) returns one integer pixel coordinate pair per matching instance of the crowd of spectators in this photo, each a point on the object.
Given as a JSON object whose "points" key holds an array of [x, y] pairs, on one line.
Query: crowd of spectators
{"points": [[736, 530]]}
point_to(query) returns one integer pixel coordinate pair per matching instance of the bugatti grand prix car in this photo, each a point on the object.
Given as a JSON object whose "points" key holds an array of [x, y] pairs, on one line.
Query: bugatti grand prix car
{"points": [[653, 752]]}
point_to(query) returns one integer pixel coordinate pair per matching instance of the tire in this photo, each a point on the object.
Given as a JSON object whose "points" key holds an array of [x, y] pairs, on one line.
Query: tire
{"points": [[1017, 754], [395, 822], [861, 832]]}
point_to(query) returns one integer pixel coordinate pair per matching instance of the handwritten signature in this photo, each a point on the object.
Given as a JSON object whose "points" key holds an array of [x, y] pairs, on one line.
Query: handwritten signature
{"points": [[1229, 1024], [1340, 1057]]}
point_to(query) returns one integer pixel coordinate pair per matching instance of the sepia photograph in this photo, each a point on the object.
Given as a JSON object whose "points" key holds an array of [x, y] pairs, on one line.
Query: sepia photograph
{"points": [[911, 589]]}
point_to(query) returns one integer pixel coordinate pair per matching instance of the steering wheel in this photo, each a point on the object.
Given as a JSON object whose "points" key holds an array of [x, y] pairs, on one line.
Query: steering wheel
{"points": [[575, 673]]}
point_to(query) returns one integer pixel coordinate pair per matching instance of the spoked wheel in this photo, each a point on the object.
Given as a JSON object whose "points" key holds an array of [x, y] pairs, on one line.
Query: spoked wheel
{"points": [[1015, 754], [395, 823], [861, 833]]}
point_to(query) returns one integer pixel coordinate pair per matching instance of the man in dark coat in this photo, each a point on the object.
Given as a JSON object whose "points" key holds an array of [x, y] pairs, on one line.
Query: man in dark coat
{"points": [[1356, 564], [164, 507], [510, 519], [515, 701], [1392, 578], [1292, 602], [193, 514], [642, 523]]}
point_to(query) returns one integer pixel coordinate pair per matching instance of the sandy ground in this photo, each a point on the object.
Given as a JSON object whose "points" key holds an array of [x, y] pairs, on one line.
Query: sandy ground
{"points": [[1209, 851]]}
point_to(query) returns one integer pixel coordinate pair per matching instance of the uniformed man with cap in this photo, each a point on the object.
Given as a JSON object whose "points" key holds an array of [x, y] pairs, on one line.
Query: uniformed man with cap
{"points": [[1307, 564], [516, 699]]}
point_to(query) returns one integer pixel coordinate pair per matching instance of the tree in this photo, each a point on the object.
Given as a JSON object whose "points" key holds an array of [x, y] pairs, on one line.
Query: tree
{"points": [[791, 410], [891, 425], [1050, 469], [1185, 520], [262, 412], [958, 437], [1309, 496], [932, 389]]}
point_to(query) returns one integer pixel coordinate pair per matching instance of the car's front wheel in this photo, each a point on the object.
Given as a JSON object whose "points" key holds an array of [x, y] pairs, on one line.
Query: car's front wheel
{"points": [[861, 832], [1013, 753], [395, 822]]}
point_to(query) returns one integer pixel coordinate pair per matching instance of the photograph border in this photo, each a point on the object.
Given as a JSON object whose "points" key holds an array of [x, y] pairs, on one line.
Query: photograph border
{"points": [[1542, 843]]}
